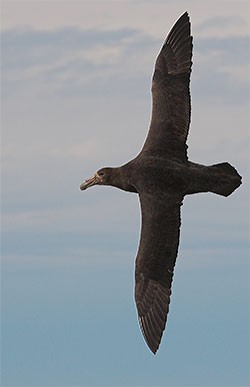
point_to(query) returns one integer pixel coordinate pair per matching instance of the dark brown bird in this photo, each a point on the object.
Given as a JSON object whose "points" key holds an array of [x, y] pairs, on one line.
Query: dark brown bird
{"points": [[162, 175]]}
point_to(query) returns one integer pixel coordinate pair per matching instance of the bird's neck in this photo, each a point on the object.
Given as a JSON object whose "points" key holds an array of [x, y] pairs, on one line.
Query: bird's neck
{"points": [[121, 180]]}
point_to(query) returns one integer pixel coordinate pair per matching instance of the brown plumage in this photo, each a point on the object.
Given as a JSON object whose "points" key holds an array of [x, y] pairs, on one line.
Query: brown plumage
{"points": [[162, 175]]}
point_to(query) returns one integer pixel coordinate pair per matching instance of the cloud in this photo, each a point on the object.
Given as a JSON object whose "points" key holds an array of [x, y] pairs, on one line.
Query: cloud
{"points": [[66, 60], [78, 62], [217, 25], [152, 18], [221, 70]]}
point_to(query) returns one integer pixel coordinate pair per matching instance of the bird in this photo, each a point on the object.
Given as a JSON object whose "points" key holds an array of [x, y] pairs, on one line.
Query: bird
{"points": [[162, 175]]}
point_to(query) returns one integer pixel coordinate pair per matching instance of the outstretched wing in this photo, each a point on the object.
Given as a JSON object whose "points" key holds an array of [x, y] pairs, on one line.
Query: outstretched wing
{"points": [[171, 108], [155, 263]]}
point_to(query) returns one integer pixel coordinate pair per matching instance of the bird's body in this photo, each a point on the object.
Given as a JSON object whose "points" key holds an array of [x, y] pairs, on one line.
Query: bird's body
{"points": [[157, 176], [162, 175]]}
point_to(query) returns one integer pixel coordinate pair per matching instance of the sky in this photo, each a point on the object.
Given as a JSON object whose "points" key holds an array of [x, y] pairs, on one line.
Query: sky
{"points": [[75, 83]]}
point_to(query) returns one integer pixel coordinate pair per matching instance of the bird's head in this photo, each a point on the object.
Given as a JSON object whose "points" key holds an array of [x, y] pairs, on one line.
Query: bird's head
{"points": [[101, 177]]}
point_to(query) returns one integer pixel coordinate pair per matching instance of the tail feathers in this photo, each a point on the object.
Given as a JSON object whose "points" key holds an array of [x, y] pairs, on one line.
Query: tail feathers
{"points": [[226, 179]]}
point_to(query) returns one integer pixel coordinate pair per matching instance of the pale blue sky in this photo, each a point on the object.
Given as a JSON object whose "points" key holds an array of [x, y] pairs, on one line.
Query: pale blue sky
{"points": [[76, 96]]}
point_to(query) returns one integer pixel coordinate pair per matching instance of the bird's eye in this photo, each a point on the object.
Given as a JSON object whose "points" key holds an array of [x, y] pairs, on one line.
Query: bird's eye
{"points": [[101, 173]]}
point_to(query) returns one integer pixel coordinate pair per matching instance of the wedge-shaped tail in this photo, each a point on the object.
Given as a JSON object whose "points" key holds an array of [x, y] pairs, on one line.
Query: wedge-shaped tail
{"points": [[225, 179]]}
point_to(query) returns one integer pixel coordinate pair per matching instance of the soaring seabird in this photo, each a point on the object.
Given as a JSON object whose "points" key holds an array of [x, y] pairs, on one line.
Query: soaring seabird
{"points": [[162, 175]]}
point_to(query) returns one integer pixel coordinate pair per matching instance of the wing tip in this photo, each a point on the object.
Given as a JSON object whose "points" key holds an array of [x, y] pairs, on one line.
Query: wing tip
{"points": [[153, 321], [152, 344], [178, 47]]}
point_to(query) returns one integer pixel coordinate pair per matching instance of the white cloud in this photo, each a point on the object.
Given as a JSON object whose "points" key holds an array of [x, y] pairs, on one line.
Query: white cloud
{"points": [[153, 18]]}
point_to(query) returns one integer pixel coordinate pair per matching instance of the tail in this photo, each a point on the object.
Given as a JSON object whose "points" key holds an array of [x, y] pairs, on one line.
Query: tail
{"points": [[225, 179]]}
